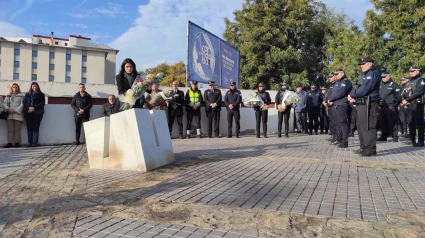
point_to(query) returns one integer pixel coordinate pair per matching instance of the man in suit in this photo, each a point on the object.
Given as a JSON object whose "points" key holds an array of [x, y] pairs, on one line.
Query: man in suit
{"points": [[213, 99], [111, 107], [175, 109]]}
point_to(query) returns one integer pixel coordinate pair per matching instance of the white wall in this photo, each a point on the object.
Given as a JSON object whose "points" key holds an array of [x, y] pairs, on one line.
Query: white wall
{"points": [[58, 127]]}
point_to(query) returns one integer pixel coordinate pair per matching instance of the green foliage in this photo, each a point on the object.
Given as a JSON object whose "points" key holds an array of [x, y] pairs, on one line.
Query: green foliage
{"points": [[174, 72]]}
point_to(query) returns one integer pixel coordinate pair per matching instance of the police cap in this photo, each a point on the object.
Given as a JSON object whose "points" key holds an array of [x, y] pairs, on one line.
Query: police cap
{"points": [[210, 83], [323, 88], [299, 86], [384, 74], [261, 85], [194, 82], [414, 68], [366, 60], [338, 71], [404, 78], [331, 75], [232, 83], [284, 84]]}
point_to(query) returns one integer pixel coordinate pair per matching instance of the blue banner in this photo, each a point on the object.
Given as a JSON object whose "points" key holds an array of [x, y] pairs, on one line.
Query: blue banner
{"points": [[210, 58]]}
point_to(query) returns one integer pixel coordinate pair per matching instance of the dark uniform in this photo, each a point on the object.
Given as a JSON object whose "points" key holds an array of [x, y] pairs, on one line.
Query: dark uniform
{"points": [[367, 98], [193, 98], [324, 118], [414, 95], [234, 97], [282, 115], [353, 121], [331, 111], [314, 101], [173, 113], [213, 97], [402, 111], [339, 95], [261, 113], [390, 99]]}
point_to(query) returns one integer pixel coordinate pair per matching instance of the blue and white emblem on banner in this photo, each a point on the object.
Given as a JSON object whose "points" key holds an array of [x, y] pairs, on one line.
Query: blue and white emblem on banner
{"points": [[203, 56]]}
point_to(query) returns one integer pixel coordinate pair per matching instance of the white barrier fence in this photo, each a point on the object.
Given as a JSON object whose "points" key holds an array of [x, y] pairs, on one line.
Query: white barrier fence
{"points": [[58, 126]]}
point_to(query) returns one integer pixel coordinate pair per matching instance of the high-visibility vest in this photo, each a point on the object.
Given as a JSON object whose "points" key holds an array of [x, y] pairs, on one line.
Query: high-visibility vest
{"points": [[194, 96]]}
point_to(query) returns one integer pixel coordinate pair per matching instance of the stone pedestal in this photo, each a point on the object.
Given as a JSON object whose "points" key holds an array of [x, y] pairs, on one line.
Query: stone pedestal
{"points": [[138, 140], [97, 140]]}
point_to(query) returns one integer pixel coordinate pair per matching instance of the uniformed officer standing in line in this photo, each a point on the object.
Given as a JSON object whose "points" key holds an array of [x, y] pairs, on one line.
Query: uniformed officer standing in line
{"points": [[175, 109], [353, 121], [261, 113], [324, 118], [331, 111], [193, 101], [339, 99], [367, 98], [284, 112], [402, 110], [390, 99], [232, 100], [414, 99], [213, 99], [314, 100]]}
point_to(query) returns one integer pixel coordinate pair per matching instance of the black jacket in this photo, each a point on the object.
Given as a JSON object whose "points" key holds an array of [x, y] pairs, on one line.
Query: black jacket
{"points": [[415, 89], [314, 99], [178, 99], [265, 96], [233, 97], [82, 102], [212, 96], [371, 80], [36, 100], [122, 84], [109, 109], [389, 93]]}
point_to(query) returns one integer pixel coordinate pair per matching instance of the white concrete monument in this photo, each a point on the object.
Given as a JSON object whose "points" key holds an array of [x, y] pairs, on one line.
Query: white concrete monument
{"points": [[136, 139]]}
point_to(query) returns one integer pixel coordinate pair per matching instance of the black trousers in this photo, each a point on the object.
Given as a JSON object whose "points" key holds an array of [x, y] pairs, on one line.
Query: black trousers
{"points": [[230, 115], [313, 117], [171, 119], [261, 116], [33, 122], [324, 120], [367, 136], [332, 127], [388, 120], [190, 115], [213, 116], [284, 116], [415, 117], [353, 122], [342, 126], [402, 122], [78, 122]]}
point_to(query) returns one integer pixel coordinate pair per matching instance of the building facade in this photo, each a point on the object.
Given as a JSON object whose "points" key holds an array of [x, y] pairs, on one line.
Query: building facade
{"points": [[51, 59]]}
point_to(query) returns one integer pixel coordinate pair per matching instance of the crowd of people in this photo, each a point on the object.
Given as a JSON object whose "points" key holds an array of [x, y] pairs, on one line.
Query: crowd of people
{"points": [[338, 110]]}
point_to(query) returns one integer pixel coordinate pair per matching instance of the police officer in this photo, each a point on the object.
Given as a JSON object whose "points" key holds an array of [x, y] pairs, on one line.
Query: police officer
{"points": [[338, 98], [367, 98], [413, 97], [402, 111], [353, 121], [284, 111], [390, 99], [261, 112], [212, 108], [330, 109], [324, 118], [193, 101], [232, 100], [314, 100]]}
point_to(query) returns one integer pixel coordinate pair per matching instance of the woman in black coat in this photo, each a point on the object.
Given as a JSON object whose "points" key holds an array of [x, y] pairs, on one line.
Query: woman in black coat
{"points": [[125, 80], [33, 102]]}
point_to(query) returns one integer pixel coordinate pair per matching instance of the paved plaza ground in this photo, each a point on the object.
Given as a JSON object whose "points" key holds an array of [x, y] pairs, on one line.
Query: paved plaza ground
{"points": [[269, 187]]}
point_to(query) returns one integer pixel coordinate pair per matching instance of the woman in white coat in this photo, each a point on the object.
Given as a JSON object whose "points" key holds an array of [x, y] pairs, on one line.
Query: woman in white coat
{"points": [[13, 104]]}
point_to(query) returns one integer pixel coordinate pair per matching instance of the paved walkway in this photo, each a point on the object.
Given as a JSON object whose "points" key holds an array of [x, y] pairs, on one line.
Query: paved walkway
{"points": [[46, 191]]}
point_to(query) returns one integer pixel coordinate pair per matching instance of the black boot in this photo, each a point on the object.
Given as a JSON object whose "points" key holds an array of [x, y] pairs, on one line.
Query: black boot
{"points": [[265, 134], [351, 133], [229, 134], [17, 145], [287, 134], [279, 134], [8, 145]]}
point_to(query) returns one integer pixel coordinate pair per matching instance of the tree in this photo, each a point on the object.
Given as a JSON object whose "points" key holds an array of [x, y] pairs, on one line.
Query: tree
{"points": [[174, 72], [269, 35], [395, 34]]}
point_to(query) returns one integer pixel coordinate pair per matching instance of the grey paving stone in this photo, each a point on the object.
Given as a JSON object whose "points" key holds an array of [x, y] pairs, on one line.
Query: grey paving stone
{"points": [[133, 233], [182, 234]]}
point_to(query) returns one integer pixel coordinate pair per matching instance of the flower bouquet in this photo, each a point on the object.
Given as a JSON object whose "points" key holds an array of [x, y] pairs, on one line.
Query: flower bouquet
{"points": [[161, 99], [138, 89], [253, 100], [289, 98]]}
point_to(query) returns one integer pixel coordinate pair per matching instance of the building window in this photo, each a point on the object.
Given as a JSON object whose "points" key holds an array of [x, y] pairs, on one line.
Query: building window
{"points": [[51, 67], [51, 55], [66, 44], [34, 65], [34, 77], [67, 79], [68, 56], [51, 78], [68, 68], [84, 80], [34, 53], [16, 64], [16, 76], [84, 69], [84, 58], [56, 43], [17, 52]]}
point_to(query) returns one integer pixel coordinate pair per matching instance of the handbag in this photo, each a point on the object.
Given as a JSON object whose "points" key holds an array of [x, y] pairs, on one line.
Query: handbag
{"points": [[4, 114]]}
